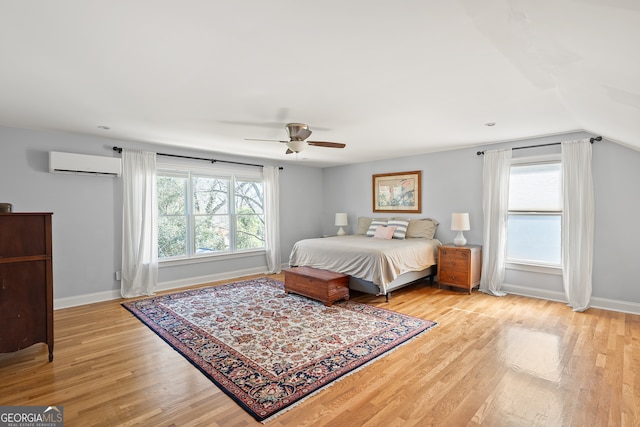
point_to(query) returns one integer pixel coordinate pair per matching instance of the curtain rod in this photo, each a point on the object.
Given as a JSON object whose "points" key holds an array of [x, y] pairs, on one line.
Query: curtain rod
{"points": [[592, 140], [119, 150]]}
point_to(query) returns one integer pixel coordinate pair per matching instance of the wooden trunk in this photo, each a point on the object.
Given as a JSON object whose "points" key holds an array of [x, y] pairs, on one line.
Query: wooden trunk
{"points": [[322, 285]]}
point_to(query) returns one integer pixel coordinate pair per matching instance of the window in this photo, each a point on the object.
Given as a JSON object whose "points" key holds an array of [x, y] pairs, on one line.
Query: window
{"points": [[203, 214], [534, 231]]}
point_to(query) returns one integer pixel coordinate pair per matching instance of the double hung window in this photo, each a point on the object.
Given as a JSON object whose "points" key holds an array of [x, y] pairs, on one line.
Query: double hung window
{"points": [[201, 213], [534, 234]]}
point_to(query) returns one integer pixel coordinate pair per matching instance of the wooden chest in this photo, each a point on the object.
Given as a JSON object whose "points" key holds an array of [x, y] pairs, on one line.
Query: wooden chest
{"points": [[322, 285], [459, 266]]}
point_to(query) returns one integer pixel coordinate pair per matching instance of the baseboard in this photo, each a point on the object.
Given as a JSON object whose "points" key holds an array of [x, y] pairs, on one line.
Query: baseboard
{"points": [[75, 301], [615, 305], [59, 303], [183, 283], [526, 291], [596, 302]]}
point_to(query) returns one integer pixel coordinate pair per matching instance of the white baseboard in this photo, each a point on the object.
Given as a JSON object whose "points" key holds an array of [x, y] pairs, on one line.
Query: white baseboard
{"points": [[596, 302], [114, 294]]}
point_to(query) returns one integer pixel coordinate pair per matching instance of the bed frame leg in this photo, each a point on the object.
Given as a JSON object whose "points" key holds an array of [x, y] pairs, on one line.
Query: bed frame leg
{"points": [[387, 295]]}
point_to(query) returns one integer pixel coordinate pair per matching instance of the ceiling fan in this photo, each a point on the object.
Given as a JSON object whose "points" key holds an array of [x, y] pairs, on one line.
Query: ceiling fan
{"points": [[298, 133]]}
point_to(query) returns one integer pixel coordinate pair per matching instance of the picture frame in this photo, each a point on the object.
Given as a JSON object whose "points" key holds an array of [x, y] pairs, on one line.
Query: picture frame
{"points": [[398, 192]]}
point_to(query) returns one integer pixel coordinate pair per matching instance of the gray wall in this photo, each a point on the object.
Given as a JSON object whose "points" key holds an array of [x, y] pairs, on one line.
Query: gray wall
{"points": [[452, 182], [87, 215], [87, 220]]}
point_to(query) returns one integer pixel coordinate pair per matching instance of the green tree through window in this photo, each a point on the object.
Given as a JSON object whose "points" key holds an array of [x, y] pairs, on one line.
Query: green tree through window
{"points": [[202, 214]]}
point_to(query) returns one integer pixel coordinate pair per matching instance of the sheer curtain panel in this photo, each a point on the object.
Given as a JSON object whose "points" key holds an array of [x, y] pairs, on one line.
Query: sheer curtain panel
{"points": [[139, 224], [272, 215], [577, 223], [495, 205]]}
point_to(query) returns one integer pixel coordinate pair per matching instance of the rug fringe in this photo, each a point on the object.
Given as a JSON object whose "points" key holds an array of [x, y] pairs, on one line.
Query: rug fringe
{"points": [[348, 374]]}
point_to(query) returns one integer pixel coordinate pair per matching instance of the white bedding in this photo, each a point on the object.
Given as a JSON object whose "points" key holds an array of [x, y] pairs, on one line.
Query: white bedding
{"points": [[376, 260]]}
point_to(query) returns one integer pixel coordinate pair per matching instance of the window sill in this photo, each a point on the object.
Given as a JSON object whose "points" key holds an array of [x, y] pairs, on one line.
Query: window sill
{"points": [[209, 258], [534, 268]]}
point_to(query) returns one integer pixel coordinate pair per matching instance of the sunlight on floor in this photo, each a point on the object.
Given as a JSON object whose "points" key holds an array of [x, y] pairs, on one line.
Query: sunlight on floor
{"points": [[533, 353], [530, 392]]}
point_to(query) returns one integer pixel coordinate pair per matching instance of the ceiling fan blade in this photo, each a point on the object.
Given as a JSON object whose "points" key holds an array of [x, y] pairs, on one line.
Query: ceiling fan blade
{"points": [[289, 151], [327, 144], [267, 140]]}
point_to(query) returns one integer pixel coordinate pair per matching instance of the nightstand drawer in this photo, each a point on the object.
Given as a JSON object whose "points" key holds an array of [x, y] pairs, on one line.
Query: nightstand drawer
{"points": [[453, 256], [453, 277], [457, 260]]}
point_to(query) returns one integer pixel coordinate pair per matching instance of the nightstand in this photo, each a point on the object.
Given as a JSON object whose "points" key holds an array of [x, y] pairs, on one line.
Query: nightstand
{"points": [[459, 266]]}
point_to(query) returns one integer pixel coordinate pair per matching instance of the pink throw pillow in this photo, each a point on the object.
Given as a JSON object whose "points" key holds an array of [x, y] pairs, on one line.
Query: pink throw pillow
{"points": [[384, 232]]}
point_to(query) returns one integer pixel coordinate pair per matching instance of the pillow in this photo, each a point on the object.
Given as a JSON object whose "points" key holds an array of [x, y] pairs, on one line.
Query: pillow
{"points": [[401, 227], [363, 224], [422, 228], [375, 223], [383, 232]]}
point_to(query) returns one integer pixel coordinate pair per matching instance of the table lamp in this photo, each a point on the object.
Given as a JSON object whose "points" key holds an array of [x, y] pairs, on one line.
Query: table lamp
{"points": [[460, 223], [341, 221]]}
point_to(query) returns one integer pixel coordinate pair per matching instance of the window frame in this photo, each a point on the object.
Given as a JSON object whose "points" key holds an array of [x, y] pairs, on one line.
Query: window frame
{"points": [[232, 174], [531, 266]]}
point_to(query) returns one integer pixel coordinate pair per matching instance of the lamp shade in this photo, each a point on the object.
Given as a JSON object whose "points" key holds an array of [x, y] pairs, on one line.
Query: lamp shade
{"points": [[341, 219], [460, 222]]}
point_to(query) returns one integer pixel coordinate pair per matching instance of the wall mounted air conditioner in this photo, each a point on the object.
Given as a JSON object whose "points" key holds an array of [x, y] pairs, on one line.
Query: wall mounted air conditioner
{"points": [[83, 164]]}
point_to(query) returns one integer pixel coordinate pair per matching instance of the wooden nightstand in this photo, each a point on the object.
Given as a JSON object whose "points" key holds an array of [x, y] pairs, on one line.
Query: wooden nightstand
{"points": [[459, 266]]}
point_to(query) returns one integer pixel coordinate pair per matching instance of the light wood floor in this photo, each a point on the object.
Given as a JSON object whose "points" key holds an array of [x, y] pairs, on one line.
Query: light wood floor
{"points": [[491, 361]]}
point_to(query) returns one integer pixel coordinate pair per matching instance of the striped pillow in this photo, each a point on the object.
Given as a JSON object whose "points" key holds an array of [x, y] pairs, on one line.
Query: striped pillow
{"points": [[401, 228], [375, 224]]}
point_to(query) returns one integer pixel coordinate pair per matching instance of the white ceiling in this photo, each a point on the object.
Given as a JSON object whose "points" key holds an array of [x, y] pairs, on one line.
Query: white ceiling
{"points": [[389, 79]]}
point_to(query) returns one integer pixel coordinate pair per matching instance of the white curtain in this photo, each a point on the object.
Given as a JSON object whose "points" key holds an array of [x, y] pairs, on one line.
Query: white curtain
{"points": [[577, 223], [139, 224], [495, 205], [272, 215]]}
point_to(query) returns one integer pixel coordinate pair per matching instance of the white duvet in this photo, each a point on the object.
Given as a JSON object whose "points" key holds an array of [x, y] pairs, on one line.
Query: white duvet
{"points": [[376, 260]]}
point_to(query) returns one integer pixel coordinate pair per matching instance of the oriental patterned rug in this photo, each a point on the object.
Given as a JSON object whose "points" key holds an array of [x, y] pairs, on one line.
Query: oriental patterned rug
{"points": [[268, 350]]}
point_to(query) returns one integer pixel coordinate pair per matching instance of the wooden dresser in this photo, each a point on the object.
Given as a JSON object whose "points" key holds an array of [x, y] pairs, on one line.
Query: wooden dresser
{"points": [[460, 266], [26, 281]]}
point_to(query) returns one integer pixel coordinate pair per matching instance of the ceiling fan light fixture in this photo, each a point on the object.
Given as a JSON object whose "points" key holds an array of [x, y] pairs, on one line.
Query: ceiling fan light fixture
{"points": [[296, 146]]}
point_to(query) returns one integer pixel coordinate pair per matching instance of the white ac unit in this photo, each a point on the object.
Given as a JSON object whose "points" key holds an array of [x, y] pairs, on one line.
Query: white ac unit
{"points": [[84, 164]]}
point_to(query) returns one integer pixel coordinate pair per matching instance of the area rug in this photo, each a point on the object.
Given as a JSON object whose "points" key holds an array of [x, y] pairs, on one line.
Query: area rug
{"points": [[269, 350]]}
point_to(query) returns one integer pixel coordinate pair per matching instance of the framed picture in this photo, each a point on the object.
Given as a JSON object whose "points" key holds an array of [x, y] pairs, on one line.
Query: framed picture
{"points": [[397, 192]]}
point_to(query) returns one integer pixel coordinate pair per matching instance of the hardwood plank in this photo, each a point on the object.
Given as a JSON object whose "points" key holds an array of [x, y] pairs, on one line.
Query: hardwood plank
{"points": [[491, 361]]}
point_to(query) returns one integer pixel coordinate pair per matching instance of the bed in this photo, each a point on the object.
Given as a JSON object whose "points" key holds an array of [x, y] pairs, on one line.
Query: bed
{"points": [[375, 265]]}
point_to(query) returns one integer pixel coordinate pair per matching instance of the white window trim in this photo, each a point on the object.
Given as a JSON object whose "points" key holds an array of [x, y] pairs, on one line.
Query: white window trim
{"points": [[197, 259], [210, 170], [529, 266], [546, 158], [534, 268]]}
